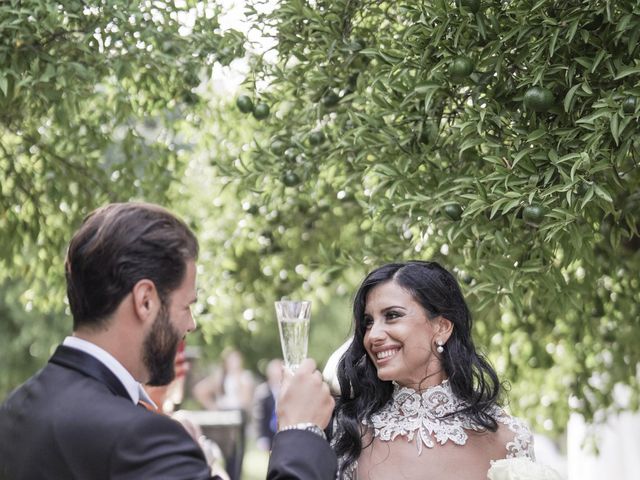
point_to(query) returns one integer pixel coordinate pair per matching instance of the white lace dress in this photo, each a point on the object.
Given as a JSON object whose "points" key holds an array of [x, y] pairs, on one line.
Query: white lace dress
{"points": [[421, 418]]}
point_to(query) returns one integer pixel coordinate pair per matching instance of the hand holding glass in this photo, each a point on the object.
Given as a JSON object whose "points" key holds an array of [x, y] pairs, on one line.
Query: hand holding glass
{"points": [[293, 323]]}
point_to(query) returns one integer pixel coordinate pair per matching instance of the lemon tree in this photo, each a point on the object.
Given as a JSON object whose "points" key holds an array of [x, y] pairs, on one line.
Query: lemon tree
{"points": [[93, 99], [500, 138]]}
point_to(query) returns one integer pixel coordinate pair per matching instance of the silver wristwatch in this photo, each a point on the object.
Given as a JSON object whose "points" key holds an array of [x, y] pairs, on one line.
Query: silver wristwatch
{"points": [[308, 426]]}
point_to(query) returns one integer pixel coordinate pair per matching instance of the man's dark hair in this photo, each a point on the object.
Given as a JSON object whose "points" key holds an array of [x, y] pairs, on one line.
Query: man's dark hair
{"points": [[117, 246]]}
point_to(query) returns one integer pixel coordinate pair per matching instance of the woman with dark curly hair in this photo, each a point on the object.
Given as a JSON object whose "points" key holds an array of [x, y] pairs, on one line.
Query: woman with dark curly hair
{"points": [[418, 401]]}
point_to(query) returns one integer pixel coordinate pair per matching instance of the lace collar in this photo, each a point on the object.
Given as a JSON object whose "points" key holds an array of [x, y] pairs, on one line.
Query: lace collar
{"points": [[430, 416]]}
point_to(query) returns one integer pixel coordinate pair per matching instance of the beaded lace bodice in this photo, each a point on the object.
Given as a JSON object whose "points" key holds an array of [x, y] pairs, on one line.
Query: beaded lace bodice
{"points": [[430, 417]]}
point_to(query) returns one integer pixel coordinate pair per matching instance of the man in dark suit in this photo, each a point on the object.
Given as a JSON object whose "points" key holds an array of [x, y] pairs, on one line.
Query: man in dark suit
{"points": [[131, 273]]}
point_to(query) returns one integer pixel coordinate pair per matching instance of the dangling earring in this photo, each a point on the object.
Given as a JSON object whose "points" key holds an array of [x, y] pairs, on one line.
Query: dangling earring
{"points": [[440, 348]]}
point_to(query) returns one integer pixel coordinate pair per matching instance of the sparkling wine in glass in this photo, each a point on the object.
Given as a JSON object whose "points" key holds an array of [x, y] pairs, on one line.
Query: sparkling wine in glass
{"points": [[293, 323]]}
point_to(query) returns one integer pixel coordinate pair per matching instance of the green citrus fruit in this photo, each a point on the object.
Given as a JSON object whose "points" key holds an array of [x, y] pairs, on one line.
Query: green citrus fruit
{"points": [[278, 147], [469, 155], [290, 154], [538, 99], [427, 132], [460, 68], [472, 5], [261, 111], [253, 209], [190, 98], [290, 179], [316, 138], [192, 79], [331, 99], [453, 211], [629, 105], [533, 214], [244, 103], [594, 23]]}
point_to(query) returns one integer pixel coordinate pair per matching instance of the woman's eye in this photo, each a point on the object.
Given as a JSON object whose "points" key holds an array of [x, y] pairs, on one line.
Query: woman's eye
{"points": [[392, 314], [368, 321]]}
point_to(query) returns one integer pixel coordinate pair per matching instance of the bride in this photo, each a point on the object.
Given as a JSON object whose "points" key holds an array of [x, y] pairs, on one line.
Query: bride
{"points": [[417, 400]]}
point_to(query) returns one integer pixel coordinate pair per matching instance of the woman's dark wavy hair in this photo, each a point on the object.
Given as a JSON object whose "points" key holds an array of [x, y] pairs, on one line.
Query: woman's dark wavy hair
{"points": [[471, 377]]}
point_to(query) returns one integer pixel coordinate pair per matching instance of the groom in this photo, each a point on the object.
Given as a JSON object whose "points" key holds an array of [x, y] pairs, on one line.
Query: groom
{"points": [[131, 281]]}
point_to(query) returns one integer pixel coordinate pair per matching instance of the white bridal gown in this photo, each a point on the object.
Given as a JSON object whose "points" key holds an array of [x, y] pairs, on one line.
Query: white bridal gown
{"points": [[411, 438]]}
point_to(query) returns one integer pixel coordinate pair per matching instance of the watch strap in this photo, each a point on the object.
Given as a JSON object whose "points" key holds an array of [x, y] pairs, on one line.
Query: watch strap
{"points": [[308, 426]]}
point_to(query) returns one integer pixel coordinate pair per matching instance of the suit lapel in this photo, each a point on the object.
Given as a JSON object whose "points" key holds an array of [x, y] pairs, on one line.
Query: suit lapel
{"points": [[86, 364]]}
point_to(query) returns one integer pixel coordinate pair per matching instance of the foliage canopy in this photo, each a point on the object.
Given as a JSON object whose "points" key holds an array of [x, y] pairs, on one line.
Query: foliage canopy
{"points": [[500, 138], [503, 142], [93, 97], [84, 90]]}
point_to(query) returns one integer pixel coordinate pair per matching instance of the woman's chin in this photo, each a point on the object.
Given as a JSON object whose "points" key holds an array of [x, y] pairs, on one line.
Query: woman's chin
{"points": [[385, 376]]}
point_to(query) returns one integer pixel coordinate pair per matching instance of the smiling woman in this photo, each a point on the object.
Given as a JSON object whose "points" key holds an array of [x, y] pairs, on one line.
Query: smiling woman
{"points": [[399, 335], [415, 378]]}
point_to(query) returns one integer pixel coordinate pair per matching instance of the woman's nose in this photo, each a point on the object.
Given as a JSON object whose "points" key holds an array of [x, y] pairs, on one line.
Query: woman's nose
{"points": [[377, 332]]}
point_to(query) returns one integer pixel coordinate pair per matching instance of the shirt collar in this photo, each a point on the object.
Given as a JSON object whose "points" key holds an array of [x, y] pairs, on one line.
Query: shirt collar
{"points": [[134, 388]]}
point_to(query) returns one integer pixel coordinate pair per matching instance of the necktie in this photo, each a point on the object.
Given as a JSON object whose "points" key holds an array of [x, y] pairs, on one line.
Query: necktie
{"points": [[148, 406]]}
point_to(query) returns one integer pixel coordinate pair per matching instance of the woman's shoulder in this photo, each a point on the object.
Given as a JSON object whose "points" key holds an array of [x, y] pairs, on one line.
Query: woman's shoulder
{"points": [[516, 435]]}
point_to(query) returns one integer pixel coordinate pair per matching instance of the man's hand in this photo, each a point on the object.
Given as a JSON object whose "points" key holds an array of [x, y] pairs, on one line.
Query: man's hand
{"points": [[304, 397]]}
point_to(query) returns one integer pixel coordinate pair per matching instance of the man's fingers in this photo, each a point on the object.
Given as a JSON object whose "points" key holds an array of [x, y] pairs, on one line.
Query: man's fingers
{"points": [[287, 377], [305, 397], [308, 365]]}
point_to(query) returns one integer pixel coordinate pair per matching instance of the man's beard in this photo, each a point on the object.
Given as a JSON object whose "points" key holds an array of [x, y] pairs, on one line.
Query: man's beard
{"points": [[160, 348]]}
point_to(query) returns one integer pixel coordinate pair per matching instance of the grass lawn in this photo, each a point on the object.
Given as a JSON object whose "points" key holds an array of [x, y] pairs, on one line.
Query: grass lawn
{"points": [[254, 466]]}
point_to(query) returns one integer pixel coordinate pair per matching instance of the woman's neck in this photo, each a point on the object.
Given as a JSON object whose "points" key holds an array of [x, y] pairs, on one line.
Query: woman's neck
{"points": [[431, 380]]}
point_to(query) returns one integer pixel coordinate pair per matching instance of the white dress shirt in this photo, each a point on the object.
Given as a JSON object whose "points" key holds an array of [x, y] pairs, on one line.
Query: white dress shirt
{"points": [[134, 388]]}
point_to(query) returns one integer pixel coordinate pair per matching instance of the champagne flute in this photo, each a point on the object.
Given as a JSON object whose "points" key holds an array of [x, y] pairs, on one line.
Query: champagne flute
{"points": [[293, 323]]}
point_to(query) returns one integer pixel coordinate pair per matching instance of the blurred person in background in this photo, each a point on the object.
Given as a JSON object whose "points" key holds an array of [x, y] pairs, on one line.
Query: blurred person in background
{"points": [[167, 398], [264, 405], [229, 387]]}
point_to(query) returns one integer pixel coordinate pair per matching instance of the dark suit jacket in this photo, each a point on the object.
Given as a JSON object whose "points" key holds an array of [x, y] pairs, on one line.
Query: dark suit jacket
{"points": [[75, 420], [297, 454]]}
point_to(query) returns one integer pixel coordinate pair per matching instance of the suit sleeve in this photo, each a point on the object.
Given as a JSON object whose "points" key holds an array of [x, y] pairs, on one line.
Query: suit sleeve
{"points": [[301, 455], [156, 446]]}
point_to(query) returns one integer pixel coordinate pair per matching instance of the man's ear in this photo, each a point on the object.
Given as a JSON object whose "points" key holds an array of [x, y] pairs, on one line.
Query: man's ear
{"points": [[444, 328], [146, 301]]}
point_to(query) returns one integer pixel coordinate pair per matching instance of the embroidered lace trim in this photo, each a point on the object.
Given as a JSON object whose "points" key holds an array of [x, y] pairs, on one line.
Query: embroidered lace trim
{"points": [[431, 417]]}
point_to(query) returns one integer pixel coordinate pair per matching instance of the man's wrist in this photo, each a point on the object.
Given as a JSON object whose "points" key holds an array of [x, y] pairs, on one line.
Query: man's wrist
{"points": [[308, 426]]}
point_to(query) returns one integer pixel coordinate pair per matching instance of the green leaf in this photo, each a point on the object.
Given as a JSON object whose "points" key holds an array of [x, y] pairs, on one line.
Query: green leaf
{"points": [[615, 132], [536, 134], [511, 205], [602, 193], [601, 54], [496, 206], [587, 197], [625, 72], [554, 40], [584, 158], [594, 116], [568, 99]]}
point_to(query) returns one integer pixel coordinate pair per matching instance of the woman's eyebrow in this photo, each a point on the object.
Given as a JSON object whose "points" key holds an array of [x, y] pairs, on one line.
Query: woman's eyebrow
{"points": [[393, 307]]}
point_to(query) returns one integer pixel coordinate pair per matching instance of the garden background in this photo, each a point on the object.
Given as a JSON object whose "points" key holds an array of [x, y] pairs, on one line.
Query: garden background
{"points": [[497, 137]]}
